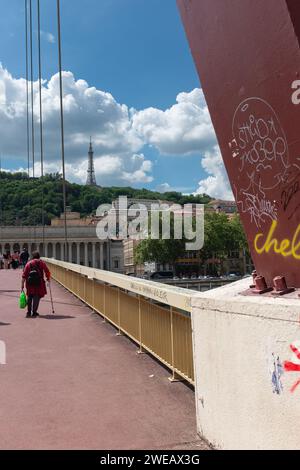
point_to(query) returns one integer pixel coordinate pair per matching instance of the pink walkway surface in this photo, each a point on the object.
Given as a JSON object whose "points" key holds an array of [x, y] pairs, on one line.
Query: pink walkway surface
{"points": [[71, 383]]}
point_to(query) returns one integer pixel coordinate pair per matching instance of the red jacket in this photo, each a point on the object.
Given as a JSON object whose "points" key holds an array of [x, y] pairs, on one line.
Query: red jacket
{"points": [[40, 290]]}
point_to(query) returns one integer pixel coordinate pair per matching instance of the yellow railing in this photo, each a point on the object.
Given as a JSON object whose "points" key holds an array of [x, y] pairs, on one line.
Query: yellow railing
{"points": [[158, 321]]}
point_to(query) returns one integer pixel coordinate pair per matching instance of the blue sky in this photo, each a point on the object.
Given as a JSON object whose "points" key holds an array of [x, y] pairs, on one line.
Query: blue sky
{"points": [[135, 50]]}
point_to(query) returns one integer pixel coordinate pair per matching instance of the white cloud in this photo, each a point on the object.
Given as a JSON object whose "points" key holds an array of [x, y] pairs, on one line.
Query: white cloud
{"points": [[164, 188], [87, 111], [119, 133], [109, 169], [183, 129], [49, 37], [217, 184]]}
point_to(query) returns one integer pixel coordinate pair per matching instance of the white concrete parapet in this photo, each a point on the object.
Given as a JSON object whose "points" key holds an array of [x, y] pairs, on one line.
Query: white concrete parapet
{"points": [[169, 295], [244, 398]]}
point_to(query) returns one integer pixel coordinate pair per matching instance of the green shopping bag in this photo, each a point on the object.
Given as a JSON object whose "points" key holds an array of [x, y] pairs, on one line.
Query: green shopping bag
{"points": [[23, 300]]}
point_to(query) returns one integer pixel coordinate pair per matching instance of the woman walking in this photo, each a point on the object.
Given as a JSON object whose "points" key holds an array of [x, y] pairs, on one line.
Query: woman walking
{"points": [[34, 277], [7, 260]]}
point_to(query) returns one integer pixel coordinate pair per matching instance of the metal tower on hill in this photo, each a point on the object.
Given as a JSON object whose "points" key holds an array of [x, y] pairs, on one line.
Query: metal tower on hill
{"points": [[91, 177]]}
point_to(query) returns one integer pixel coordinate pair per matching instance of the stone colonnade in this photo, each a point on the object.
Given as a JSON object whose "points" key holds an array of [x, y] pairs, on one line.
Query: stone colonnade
{"points": [[93, 254]]}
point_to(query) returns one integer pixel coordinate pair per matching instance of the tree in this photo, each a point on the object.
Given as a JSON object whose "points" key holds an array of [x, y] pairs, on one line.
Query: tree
{"points": [[221, 235], [159, 251]]}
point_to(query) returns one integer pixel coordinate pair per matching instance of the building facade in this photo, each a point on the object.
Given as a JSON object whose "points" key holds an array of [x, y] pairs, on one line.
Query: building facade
{"points": [[83, 247]]}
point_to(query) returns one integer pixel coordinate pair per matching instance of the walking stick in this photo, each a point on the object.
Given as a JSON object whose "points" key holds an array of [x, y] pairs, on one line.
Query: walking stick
{"points": [[52, 305]]}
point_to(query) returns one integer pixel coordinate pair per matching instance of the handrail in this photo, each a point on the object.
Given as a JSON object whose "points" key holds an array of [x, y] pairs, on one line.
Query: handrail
{"points": [[173, 296], [155, 316]]}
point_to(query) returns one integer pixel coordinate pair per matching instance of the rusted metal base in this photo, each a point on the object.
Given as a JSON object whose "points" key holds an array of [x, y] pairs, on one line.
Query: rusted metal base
{"points": [[284, 291], [263, 291], [293, 294]]}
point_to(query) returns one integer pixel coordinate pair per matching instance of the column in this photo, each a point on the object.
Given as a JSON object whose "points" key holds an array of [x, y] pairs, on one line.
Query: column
{"points": [[46, 249], [78, 252], [38, 247], [108, 255], [54, 250], [70, 258], [101, 255], [86, 257], [62, 251], [94, 255]]}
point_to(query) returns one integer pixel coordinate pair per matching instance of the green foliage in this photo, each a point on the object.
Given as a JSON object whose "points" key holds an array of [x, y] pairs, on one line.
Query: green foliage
{"points": [[221, 235], [160, 251], [22, 198]]}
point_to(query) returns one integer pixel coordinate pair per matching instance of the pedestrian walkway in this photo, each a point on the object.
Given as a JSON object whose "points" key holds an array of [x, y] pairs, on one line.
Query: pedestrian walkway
{"points": [[71, 383]]}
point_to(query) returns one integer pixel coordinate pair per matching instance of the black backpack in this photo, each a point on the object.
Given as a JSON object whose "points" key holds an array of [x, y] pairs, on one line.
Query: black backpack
{"points": [[35, 276]]}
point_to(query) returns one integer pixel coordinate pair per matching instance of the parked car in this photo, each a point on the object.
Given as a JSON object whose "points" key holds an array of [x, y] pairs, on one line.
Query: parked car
{"points": [[234, 275], [162, 275]]}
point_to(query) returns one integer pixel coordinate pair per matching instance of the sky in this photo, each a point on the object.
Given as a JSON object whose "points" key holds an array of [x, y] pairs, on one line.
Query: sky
{"points": [[129, 82]]}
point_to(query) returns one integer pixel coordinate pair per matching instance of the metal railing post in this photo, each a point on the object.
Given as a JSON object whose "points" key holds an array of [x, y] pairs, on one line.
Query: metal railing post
{"points": [[94, 282], [141, 350], [104, 303], [175, 377], [119, 315]]}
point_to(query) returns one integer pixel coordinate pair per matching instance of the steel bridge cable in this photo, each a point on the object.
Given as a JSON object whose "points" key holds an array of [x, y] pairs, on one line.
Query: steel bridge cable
{"points": [[40, 87], [27, 90], [32, 115], [27, 87], [41, 117], [62, 131], [31, 76]]}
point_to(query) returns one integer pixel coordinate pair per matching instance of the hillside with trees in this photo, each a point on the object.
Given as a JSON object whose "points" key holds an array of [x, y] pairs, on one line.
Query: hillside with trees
{"points": [[22, 199]]}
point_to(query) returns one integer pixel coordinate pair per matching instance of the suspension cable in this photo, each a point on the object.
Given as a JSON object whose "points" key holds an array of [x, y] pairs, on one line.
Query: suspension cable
{"points": [[40, 87], [31, 77], [27, 87], [62, 132], [41, 118], [29, 31]]}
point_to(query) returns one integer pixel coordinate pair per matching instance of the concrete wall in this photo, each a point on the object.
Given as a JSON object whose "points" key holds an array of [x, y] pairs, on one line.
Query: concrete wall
{"points": [[237, 339]]}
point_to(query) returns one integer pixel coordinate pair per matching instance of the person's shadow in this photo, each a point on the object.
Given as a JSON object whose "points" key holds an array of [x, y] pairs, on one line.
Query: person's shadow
{"points": [[55, 317]]}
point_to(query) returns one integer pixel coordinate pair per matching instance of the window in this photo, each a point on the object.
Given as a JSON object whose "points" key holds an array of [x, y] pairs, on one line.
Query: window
{"points": [[116, 264]]}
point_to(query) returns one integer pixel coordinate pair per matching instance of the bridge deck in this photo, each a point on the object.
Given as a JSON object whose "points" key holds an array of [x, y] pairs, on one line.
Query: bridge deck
{"points": [[70, 382]]}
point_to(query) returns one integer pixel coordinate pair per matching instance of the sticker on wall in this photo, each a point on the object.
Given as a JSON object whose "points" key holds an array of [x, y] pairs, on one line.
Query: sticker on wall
{"points": [[277, 373], [294, 364]]}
